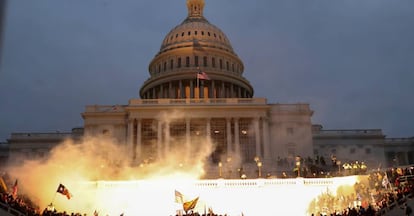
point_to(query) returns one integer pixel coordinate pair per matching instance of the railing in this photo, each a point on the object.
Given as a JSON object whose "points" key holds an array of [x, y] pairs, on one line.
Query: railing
{"points": [[6, 210], [169, 102], [350, 132], [196, 101], [225, 183], [40, 135]]}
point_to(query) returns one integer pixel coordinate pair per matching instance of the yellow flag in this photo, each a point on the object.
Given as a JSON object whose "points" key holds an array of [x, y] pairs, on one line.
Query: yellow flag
{"points": [[187, 206], [3, 185]]}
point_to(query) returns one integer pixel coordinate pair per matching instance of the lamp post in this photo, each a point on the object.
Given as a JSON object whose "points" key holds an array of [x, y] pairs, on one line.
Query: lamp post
{"points": [[338, 162], [298, 159], [220, 165], [229, 166], [259, 165]]}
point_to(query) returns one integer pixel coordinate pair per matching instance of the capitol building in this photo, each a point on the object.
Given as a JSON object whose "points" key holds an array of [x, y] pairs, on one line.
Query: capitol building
{"points": [[196, 92]]}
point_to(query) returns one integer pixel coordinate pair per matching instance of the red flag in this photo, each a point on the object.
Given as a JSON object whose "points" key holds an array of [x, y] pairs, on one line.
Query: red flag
{"points": [[14, 193], [202, 76], [64, 191]]}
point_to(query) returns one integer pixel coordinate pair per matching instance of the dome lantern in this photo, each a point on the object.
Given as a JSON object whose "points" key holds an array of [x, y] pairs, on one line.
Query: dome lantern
{"points": [[195, 8]]}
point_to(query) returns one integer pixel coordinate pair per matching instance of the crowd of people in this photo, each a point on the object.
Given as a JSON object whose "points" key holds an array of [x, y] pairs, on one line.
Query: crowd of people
{"points": [[383, 191]]}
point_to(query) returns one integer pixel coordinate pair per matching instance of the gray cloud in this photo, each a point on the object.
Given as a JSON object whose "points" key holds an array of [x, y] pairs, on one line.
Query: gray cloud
{"points": [[351, 60]]}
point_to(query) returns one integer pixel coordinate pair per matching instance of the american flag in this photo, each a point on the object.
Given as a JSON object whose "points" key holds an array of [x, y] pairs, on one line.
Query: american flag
{"points": [[202, 76]]}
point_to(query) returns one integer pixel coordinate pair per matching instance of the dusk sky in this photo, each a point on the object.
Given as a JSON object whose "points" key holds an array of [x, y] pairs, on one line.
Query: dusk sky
{"points": [[351, 60]]}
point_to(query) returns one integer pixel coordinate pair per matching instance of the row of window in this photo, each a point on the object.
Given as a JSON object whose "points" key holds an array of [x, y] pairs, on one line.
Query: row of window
{"points": [[197, 62], [196, 33], [351, 150]]}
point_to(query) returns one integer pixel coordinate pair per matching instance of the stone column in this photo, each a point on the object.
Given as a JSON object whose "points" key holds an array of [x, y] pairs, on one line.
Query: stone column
{"points": [[266, 141], [208, 130], [139, 139], [170, 92], [187, 138], [130, 137], [223, 90], [201, 89], [213, 89], [257, 136], [182, 93], [159, 140], [191, 89], [236, 136], [167, 139], [228, 133]]}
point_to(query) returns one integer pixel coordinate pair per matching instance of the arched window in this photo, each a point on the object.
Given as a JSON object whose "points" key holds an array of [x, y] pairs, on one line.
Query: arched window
{"points": [[205, 61], [179, 63], [187, 61], [196, 61]]}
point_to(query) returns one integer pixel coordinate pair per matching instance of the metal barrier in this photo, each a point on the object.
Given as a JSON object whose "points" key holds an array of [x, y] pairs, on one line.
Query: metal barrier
{"points": [[6, 210]]}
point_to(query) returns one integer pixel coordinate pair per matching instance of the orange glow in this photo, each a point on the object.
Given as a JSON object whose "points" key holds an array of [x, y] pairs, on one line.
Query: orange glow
{"points": [[99, 178]]}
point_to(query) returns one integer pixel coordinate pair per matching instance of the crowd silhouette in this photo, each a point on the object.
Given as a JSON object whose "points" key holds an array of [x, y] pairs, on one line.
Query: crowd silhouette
{"points": [[384, 191]]}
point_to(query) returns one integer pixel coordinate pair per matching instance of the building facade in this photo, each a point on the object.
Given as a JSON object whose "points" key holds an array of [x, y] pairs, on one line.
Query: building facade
{"points": [[197, 89], [196, 92]]}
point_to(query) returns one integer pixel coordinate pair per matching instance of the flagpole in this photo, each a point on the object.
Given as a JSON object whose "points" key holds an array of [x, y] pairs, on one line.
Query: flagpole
{"points": [[198, 82]]}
